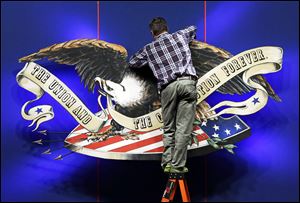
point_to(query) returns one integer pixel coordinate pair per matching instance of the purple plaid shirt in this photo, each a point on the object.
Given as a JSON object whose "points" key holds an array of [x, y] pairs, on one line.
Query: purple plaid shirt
{"points": [[168, 56]]}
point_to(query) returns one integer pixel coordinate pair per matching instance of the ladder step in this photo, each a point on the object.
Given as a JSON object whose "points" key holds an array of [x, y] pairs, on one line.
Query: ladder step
{"points": [[176, 176]]}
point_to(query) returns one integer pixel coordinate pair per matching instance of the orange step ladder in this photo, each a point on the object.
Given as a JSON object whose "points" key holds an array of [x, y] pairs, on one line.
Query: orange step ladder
{"points": [[174, 180]]}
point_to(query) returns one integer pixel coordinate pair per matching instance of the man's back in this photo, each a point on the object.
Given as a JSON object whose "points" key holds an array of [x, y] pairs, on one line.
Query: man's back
{"points": [[169, 55]]}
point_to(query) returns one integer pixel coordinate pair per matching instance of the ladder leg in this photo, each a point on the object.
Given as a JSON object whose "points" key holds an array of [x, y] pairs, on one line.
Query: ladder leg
{"points": [[170, 190], [174, 190], [187, 189], [184, 191]]}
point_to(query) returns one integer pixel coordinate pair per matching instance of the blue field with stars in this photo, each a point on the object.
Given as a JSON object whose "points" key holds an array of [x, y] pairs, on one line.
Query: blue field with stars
{"points": [[224, 128]]}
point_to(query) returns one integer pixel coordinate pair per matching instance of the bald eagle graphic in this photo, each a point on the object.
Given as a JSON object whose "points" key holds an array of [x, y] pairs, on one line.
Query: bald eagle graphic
{"points": [[134, 91]]}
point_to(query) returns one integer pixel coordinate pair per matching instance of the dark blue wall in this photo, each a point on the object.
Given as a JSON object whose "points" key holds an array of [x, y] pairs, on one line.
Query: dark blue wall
{"points": [[266, 164]]}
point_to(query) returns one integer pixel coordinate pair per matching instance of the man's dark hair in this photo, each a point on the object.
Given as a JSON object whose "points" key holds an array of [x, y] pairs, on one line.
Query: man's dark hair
{"points": [[158, 25]]}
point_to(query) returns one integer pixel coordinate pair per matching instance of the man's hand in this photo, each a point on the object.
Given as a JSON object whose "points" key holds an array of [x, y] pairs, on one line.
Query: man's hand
{"points": [[201, 111]]}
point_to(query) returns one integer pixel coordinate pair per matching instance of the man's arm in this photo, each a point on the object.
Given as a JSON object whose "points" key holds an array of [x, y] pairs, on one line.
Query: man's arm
{"points": [[189, 33], [138, 59]]}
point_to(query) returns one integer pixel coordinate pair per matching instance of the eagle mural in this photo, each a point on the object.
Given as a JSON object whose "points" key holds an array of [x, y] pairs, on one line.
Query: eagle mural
{"points": [[134, 91]]}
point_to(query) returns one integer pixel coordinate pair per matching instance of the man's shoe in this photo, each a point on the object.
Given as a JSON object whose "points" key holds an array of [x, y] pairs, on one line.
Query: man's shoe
{"points": [[179, 170], [167, 168]]}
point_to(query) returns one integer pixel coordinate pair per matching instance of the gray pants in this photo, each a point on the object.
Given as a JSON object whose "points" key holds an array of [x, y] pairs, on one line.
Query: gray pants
{"points": [[178, 101]]}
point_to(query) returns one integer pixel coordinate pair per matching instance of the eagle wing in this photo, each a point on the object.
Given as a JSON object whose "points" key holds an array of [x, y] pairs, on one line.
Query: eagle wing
{"points": [[206, 57], [91, 57]]}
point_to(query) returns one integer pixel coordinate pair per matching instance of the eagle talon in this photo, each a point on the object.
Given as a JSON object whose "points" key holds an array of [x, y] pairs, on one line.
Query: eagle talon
{"points": [[129, 136], [98, 137]]}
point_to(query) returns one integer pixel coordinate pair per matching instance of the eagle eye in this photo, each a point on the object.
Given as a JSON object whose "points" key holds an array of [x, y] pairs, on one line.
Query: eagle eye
{"points": [[109, 88]]}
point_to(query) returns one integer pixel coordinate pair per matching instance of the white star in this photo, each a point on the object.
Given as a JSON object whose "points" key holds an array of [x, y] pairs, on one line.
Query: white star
{"points": [[215, 135], [227, 132], [216, 127], [237, 126], [203, 123]]}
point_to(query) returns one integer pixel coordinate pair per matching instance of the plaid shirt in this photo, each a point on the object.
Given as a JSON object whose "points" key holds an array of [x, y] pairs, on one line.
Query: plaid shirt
{"points": [[168, 56]]}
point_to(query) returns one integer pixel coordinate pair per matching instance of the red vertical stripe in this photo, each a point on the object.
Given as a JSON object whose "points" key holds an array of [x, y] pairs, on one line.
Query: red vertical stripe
{"points": [[204, 21], [98, 161], [98, 19], [205, 158]]}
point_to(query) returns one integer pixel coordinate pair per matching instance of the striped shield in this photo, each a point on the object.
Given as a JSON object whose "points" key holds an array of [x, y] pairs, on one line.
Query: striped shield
{"points": [[149, 145]]}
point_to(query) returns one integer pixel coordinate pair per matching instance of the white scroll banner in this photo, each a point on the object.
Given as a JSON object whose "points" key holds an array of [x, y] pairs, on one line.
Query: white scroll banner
{"points": [[38, 80], [261, 60]]}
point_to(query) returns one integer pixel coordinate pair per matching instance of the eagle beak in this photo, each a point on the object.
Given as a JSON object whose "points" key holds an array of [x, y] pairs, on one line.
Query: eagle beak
{"points": [[103, 86]]}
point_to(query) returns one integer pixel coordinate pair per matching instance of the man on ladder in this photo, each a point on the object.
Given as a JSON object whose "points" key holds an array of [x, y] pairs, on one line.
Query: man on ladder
{"points": [[169, 57]]}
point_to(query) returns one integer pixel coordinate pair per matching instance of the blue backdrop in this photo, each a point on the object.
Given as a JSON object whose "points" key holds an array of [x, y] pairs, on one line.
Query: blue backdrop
{"points": [[266, 165]]}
